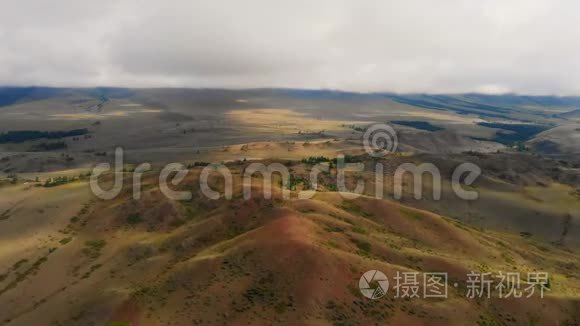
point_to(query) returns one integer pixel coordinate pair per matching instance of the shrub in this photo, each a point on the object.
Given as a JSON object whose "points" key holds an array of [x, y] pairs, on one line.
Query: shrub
{"points": [[93, 248], [364, 246], [134, 218], [119, 323], [315, 160]]}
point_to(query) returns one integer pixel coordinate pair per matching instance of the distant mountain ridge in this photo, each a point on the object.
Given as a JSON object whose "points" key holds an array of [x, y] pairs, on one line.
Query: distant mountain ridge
{"points": [[483, 105], [570, 114]]}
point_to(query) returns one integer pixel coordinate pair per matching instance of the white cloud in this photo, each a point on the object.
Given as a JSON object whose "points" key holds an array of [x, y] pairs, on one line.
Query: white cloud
{"points": [[526, 46]]}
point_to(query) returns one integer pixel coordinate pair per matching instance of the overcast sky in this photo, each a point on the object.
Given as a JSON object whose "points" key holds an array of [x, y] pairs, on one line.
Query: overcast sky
{"points": [[524, 46]]}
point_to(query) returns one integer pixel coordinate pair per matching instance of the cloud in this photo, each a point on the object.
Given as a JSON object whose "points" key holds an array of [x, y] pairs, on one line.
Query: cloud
{"points": [[525, 46]]}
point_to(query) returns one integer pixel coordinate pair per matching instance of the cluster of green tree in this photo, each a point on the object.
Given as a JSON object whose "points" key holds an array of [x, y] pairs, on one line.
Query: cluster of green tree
{"points": [[295, 181], [354, 127], [194, 164], [521, 147], [315, 160], [312, 160], [515, 132], [60, 180], [19, 136], [422, 125], [12, 178], [57, 181], [48, 146], [349, 159]]}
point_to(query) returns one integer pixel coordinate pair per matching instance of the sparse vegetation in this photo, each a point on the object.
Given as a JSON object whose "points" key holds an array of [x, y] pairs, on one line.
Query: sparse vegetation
{"points": [[91, 270], [5, 215], [58, 181], [21, 276], [93, 248], [422, 125], [363, 246], [354, 209], [294, 181], [354, 127], [349, 159], [19, 263], [134, 218], [332, 244], [525, 234], [48, 146], [312, 160], [359, 230], [120, 323], [411, 213]]}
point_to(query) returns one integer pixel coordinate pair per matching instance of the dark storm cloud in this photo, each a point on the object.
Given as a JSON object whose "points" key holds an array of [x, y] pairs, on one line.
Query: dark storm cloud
{"points": [[527, 46]]}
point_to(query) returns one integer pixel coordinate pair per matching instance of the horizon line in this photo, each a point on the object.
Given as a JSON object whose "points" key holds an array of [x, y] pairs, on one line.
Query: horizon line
{"points": [[333, 90]]}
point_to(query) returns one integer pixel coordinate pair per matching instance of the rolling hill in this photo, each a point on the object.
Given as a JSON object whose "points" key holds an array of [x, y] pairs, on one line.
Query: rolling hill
{"points": [[155, 261]]}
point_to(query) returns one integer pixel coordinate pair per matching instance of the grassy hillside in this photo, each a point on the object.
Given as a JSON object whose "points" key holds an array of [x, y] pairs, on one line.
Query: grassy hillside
{"points": [[154, 261]]}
